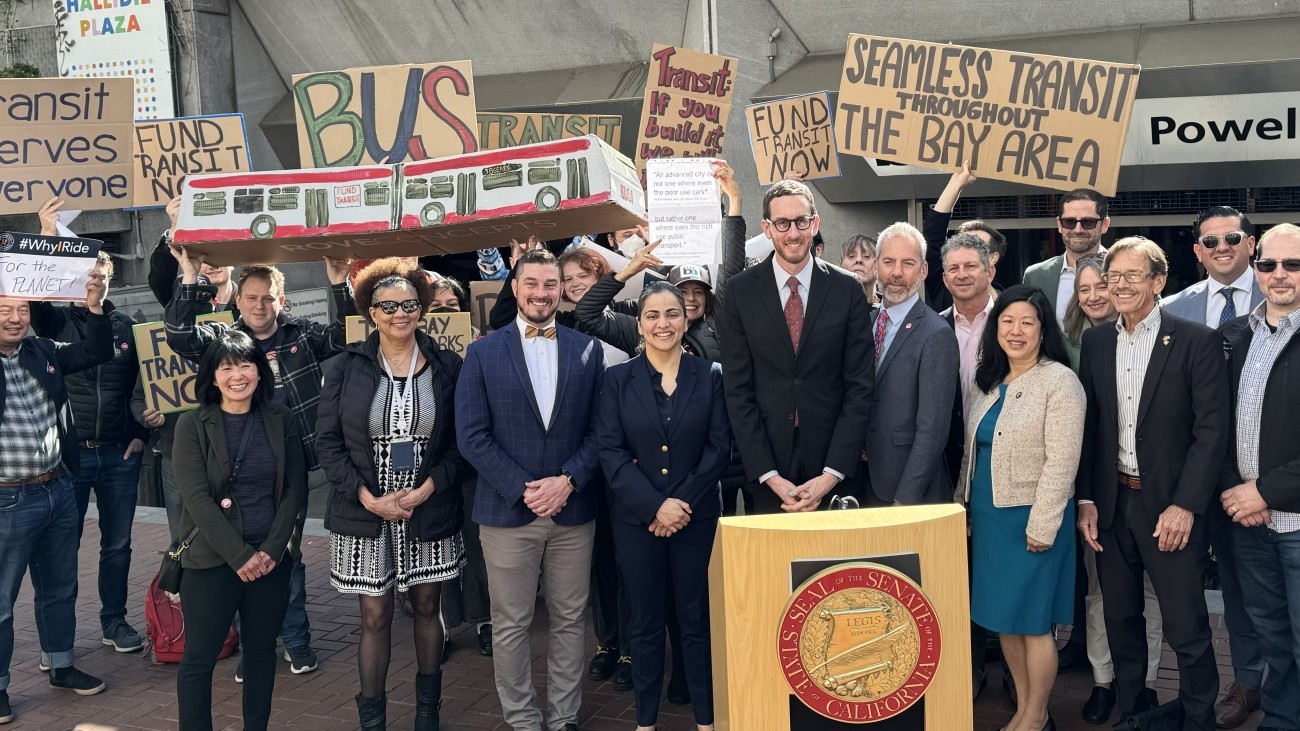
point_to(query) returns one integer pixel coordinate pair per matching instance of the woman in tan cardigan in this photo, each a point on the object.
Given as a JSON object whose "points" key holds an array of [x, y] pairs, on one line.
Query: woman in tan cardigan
{"points": [[1022, 450]]}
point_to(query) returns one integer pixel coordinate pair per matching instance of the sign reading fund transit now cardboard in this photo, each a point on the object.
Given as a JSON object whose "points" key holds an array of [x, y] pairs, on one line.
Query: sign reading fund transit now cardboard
{"points": [[166, 150], [168, 379], [1021, 117], [69, 138], [793, 135], [385, 114], [688, 97]]}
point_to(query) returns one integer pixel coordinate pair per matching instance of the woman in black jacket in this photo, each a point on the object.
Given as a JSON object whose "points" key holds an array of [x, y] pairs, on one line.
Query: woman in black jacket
{"points": [[243, 536], [387, 441]]}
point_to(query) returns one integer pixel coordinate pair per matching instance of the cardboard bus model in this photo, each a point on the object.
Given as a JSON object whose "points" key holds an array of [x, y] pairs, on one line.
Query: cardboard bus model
{"points": [[446, 205]]}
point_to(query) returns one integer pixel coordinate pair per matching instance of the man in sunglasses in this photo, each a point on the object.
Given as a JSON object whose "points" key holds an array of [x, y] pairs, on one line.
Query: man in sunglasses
{"points": [[295, 347], [1224, 247], [1082, 223], [1261, 477]]}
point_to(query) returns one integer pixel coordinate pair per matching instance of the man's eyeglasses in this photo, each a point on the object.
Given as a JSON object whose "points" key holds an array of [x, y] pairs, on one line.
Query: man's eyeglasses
{"points": [[1130, 277], [1268, 266], [388, 307], [1069, 223], [783, 224], [1232, 238]]}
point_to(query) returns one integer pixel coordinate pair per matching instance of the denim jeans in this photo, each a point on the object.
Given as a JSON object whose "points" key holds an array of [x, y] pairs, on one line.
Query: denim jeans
{"points": [[171, 494], [38, 530], [115, 482], [1268, 564], [296, 630]]}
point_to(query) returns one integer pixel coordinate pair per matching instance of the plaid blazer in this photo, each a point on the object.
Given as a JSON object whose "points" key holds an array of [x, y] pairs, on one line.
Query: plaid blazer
{"points": [[500, 431]]}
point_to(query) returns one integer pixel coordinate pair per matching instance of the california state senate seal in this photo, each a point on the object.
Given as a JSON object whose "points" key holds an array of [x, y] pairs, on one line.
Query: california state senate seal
{"points": [[859, 643]]}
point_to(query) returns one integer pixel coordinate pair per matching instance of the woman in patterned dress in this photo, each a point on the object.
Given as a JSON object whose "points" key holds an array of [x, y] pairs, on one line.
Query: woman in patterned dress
{"points": [[387, 441]]}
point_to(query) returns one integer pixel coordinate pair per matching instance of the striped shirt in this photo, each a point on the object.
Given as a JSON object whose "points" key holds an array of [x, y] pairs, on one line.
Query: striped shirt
{"points": [[1132, 353], [29, 433], [1265, 347]]}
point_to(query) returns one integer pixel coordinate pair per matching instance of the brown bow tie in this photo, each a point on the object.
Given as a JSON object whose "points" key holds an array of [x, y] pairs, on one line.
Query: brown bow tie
{"points": [[546, 332]]}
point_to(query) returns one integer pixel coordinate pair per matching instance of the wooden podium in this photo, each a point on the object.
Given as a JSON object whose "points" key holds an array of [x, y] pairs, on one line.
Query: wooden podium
{"points": [[842, 619]]}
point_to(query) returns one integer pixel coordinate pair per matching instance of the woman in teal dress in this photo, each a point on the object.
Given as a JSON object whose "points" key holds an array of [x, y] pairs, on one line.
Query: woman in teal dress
{"points": [[1024, 434]]}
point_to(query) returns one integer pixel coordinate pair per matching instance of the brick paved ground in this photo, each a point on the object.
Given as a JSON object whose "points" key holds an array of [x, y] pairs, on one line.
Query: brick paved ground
{"points": [[141, 695]]}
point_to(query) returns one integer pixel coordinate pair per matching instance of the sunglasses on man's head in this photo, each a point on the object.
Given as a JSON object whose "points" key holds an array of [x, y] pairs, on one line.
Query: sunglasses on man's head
{"points": [[388, 307], [1087, 223], [1268, 266], [1232, 238]]}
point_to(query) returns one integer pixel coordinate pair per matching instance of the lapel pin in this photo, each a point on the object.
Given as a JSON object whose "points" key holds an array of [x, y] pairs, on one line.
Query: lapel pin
{"points": [[294, 349], [1166, 340], [226, 503], [908, 326], [49, 368]]}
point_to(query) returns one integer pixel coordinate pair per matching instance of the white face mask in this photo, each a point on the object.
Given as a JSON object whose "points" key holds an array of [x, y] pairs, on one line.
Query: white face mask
{"points": [[631, 245]]}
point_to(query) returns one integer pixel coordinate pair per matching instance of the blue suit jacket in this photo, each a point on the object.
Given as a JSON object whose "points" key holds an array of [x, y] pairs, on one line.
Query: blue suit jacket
{"points": [[1190, 303], [499, 427], [646, 460]]}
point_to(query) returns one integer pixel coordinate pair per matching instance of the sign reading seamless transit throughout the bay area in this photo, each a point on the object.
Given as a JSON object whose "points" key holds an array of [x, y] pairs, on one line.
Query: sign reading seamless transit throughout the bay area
{"points": [[688, 97], [45, 268], [167, 377], [69, 138], [1021, 117], [450, 330], [511, 129], [385, 114], [166, 150], [793, 135]]}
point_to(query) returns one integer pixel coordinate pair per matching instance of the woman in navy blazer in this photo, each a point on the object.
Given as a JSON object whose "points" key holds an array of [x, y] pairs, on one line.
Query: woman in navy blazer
{"points": [[664, 442]]}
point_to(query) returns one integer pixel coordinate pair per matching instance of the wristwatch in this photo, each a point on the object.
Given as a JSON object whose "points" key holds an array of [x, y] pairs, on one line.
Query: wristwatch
{"points": [[573, 484]]}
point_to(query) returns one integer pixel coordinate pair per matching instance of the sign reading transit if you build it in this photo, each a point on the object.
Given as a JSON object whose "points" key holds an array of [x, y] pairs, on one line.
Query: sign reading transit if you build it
{"points": [[688, 98], [45, 268], [69, 138], [1024, 118]]}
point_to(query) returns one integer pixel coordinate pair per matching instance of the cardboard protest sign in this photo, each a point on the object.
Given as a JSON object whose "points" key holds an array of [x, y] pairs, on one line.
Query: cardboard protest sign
{"points": [[45, 268], [167, 377], [511, 129], [385, 114], [69, 138], [682, 198], [1021, 117], [482, 298], [793, 135], [687, 101], [167, 150], [450, 330], [444, 206]]}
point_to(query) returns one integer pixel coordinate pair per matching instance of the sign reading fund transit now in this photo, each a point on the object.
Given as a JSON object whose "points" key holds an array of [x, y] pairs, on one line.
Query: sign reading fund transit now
{"points": [[1021, 117]]}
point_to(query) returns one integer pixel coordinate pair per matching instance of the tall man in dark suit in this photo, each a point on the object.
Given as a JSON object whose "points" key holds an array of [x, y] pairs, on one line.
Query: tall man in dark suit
{"points": [[525, 404], [796, 354], [1154, 442]]}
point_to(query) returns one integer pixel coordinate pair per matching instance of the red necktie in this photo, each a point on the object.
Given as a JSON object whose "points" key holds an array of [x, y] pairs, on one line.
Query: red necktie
{"points": [[882, 322], [794, 312]]}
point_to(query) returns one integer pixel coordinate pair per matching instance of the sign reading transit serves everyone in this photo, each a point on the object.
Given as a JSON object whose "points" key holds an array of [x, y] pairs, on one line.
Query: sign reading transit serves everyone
{"points": [[511, 129], [69, 138], [385, 114], [793, 135], [118, 39], [688, 98], [1021, 117], [168, 378], [166, 150], [45, 268], [859, 643], [450, 330]]}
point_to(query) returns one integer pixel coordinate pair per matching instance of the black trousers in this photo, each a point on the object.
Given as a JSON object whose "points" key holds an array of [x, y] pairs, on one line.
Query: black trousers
{"points": [[666, 576], [611, 612], [210, 600], [1128, 549]]}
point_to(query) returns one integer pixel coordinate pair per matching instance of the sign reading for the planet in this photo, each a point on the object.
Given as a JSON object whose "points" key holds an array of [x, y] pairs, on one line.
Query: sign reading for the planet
{"points": [[859, 643]]}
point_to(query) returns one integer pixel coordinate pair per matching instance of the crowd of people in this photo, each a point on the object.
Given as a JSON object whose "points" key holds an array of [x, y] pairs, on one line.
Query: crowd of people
{"points": [[1105, 441]]}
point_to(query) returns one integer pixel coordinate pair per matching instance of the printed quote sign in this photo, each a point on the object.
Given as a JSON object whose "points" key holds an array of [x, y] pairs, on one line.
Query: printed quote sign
{"points": [[166, 150], [1021, 117], [793, 135], [69, 138], [510, 129], [687, 101], [45, 268], [450, 330], [167, 377], [682, 200], [385, 114]]}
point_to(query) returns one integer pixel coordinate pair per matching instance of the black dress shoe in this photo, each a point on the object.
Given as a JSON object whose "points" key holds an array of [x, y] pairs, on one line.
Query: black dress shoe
{"points": [[1072, 655], [603, 663], [1150, 700], [623, 676], [485, 640], [446, 648], [678, 693], [1099, 706]]}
